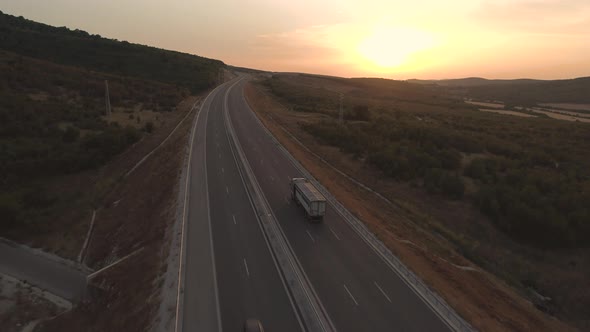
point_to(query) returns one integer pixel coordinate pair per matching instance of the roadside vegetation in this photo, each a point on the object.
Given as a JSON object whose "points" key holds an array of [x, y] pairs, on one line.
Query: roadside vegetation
{"points": [[53, 124], [470, 174]]}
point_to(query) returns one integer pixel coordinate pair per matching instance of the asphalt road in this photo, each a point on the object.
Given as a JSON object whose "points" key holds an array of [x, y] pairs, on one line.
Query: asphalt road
{"points": [[359, 291], [230, 273], [43, 271]]}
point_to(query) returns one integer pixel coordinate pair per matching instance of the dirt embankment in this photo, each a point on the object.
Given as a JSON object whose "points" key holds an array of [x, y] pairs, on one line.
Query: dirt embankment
{"points": [[134, 215], [481, 298]]}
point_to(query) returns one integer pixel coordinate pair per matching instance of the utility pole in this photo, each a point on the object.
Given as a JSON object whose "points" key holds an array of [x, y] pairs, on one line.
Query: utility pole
{"points": [[341, 114], [107, 98]]}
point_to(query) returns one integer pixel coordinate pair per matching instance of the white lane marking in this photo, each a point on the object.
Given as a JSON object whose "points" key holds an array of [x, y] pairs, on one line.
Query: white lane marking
{"points": [[350, 294], [261, 162], [336, 235], [234, 218], [222, 170], [382, 292], [272, 178], [219, 155], [246, 265], [311, 237], [226, 190]]}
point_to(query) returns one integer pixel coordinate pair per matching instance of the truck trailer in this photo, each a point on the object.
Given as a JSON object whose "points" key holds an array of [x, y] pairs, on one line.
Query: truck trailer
{"points": [[306, 195]]}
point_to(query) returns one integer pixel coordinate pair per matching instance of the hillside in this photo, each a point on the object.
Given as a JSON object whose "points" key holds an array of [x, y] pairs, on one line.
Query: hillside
{"points": [[53, 124], [519, 91], [508, 193], [565, 91], [69, 184], [52, 127], [81, 49]]}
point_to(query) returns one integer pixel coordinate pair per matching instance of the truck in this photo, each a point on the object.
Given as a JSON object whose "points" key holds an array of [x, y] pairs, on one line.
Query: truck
{"points": [[306, 195]]}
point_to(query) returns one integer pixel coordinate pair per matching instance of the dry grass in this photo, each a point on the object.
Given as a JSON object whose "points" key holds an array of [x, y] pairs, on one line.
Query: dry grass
{"points": [[573, 107], [499, 111], [485, 104]]}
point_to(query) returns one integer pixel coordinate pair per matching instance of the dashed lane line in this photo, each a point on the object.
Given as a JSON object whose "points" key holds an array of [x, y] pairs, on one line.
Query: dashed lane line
{"points": [[350, 294]]}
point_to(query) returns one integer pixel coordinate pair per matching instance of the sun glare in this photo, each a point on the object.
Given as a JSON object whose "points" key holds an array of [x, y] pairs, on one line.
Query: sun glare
{"points": [[390, 47]]}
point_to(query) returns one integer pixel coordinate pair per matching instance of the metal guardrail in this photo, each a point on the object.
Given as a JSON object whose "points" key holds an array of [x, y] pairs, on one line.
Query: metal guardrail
{"points": [[433, 300], [297, 284]]}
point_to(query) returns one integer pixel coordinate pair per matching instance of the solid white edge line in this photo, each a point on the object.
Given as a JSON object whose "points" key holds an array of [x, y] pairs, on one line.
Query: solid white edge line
{"points": [[350, 294]]}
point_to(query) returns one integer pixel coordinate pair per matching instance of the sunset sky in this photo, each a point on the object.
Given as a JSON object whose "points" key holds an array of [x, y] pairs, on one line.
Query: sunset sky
{"points": [[436, 39]]}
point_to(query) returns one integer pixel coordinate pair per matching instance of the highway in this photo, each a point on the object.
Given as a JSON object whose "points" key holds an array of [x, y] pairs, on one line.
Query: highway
{"points": [[238, 262], [230, 271], [359, 291]]}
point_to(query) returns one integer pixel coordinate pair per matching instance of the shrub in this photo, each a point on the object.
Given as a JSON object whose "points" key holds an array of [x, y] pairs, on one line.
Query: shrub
{"points": [[443, 182], [149, 127]]}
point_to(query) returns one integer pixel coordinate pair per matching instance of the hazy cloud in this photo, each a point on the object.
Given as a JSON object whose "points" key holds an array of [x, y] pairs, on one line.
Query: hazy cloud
{"points": [[536, 16], [305, 48]]}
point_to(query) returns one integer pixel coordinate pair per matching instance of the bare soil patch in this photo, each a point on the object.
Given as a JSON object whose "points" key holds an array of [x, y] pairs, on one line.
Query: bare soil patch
{"points": [[562, 115], [485, 104], [566, 106], [500, 111]]}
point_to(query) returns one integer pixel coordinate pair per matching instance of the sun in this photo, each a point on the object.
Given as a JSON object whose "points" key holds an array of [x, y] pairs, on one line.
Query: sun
{"points": [[391, 47]]}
